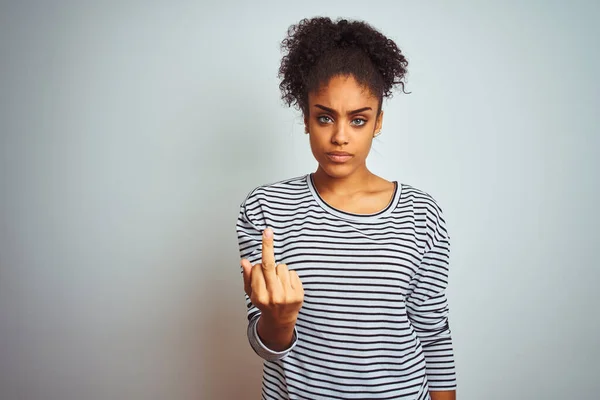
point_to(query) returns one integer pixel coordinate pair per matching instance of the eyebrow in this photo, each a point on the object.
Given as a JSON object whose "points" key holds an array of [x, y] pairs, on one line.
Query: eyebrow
{"points": [[332, 111]]}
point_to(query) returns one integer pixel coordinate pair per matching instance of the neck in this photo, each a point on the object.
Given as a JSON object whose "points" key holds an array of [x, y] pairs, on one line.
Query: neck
{"points": [[357, 181]]}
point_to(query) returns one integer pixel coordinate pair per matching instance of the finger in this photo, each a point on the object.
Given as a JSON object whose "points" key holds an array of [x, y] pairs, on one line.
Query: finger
{"points": [[295, 281], [283, 274], [247, 272], [257, 282], [268, 257]]}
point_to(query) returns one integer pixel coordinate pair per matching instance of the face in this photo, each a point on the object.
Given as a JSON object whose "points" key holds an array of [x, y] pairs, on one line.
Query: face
{"points": [[342, 121]]}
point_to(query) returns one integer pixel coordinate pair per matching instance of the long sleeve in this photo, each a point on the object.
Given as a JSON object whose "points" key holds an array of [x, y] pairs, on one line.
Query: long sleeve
{"points": [[427, 306], [250, 225]]}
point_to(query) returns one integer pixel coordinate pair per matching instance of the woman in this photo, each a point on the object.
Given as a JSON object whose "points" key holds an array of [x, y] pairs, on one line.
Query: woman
{"points": [[345, 272]]}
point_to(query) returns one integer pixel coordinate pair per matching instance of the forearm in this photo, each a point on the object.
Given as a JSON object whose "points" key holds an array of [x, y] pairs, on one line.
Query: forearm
{"points": [[275, 337], [431, 326], [443, 395]]}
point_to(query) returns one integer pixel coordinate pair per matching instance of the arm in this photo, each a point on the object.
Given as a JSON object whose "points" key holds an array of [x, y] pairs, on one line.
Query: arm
{"points": [[270, 335], [275, 336], [427, 309], [445, 395], [270, 346]]}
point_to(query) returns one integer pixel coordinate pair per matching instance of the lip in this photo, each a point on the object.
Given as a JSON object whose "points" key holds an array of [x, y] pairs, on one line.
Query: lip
{"points": [[339, 156]]}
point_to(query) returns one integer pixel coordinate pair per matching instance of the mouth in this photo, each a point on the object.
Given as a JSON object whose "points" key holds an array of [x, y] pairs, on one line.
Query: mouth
{"points": [[339, 156]]}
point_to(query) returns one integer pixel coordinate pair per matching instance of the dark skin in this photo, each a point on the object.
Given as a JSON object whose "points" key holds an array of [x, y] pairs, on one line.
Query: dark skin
{"points": [[342, 119]]}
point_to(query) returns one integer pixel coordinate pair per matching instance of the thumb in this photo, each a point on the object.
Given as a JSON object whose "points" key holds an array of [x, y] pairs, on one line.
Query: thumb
{"points": [[247, 272]]}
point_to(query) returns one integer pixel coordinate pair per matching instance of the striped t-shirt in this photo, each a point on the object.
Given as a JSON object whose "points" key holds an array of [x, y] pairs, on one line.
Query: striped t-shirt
{"points": [[374, 322]]}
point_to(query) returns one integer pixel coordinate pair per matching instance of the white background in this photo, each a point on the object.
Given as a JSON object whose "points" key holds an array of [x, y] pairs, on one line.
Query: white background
{"points": [[131, 132]]}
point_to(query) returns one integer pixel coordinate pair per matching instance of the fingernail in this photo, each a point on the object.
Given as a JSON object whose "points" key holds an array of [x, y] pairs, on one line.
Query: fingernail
{"points": [[268, 233]]}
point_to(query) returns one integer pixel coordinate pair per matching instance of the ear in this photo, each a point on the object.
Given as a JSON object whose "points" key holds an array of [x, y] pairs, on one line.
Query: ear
{"points": [[378, 123]]}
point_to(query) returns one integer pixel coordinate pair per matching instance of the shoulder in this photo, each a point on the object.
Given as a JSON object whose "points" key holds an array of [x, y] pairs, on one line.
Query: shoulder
{"points": [[284, 189], [423, 203], [420, 197]]}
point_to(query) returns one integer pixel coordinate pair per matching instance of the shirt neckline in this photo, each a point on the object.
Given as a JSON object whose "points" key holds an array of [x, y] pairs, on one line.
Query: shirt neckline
{"points": [[352, 216]]}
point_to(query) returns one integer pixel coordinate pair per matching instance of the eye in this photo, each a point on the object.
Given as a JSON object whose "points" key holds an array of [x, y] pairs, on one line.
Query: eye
{"points": [[358, 122], [324, 119]]}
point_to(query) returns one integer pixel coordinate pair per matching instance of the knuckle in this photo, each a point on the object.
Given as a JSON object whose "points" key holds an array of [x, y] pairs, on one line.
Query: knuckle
{"points": [[268, 266], [277, 299], [260, 300], [282, 269]]}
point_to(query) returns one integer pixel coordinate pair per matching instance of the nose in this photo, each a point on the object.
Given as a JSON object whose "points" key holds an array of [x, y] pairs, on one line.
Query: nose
{"points": [[340, 135]]}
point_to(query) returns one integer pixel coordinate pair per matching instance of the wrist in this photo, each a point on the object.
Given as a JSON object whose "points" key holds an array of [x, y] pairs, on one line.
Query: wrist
{"points": [[277, 324], [277, 337]]}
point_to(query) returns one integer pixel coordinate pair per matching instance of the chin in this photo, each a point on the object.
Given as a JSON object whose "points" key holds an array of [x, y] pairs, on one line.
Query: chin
{"points": [[337, 171]]}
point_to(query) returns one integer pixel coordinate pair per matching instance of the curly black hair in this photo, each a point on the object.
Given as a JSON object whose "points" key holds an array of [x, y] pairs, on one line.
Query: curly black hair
{"points": [[317, 49]]}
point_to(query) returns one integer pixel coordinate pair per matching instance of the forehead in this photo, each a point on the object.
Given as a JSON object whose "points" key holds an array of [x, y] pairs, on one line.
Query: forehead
{"points": [[343, 92]]}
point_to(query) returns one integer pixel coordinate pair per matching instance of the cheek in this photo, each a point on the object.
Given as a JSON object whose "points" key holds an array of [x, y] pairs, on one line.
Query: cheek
{"points": [[317, 135], [365, 148], [316, 142], [364, 139]]}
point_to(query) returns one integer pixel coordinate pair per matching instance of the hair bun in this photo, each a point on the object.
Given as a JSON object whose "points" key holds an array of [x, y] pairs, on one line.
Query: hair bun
{"points": [[343, 46]]}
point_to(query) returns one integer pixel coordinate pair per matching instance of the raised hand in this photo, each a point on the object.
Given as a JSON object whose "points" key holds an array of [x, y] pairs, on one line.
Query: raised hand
{"points": [[276, 291]]}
